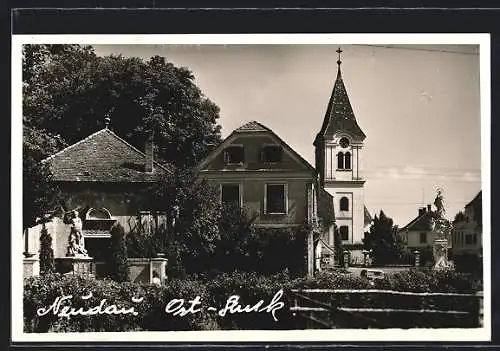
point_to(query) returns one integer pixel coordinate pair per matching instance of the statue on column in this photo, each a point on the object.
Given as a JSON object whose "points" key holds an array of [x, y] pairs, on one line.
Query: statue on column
{"points": [[442, 230], [75, 239]]}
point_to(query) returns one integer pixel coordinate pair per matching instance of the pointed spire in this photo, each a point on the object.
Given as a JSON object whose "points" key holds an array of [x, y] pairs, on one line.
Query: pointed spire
{"points": [[339, 62], [339, 115]]}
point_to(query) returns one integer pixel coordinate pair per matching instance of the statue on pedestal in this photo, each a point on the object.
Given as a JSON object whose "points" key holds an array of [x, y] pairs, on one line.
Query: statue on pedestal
{"points": [[75, 239], [442, 230]]}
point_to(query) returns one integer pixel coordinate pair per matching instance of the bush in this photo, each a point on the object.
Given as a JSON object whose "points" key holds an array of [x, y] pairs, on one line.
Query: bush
{"points": [[118, 261], [215, 289], [46, 252]]}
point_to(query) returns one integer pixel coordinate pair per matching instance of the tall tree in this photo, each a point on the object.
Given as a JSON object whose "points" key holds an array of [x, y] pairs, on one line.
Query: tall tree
{"points": [[68, 90], [382, 239], [118, 261], [46, 252]]}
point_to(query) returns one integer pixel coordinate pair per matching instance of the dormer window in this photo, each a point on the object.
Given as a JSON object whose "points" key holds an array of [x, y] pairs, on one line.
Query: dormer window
{"points": [[271, 153], [234, 154]]}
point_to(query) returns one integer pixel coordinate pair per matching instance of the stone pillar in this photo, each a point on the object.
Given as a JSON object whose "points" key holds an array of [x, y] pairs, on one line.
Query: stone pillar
{"points": [[440, 251], [310, 254], [417, 258], [78, 265], [366, 258], [346, 259], [158, 264], [31, 267]]}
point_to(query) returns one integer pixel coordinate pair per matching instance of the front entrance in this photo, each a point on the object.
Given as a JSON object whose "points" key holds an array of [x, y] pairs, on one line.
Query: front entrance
{"points": [[100, 250]]}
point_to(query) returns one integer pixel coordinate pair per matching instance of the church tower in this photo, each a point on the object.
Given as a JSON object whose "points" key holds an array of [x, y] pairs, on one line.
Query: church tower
{"points": [[339, 146]]}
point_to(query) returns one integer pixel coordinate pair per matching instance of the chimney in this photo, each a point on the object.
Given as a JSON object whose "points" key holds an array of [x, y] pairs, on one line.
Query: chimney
{"points": [[429, 208], [149, 151], [421, 211]]}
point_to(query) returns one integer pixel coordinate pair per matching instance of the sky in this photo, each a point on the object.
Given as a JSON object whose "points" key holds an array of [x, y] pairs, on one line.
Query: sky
{"points": [[419, 106]]}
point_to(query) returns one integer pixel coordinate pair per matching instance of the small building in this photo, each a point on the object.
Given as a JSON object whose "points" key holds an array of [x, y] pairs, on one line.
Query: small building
{"points": [[467, 235], [103, 177], [418, 234]]}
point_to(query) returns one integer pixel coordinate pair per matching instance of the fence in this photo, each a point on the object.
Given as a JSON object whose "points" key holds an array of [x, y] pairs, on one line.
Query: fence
{"points": [[371, 308]]}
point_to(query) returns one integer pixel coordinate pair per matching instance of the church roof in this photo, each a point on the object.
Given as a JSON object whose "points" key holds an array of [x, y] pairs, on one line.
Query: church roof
{"points": [[339, 115], [102, 157]]}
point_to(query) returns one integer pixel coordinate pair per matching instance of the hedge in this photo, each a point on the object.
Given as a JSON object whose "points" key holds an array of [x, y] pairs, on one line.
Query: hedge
{"points": [[214, 290]]}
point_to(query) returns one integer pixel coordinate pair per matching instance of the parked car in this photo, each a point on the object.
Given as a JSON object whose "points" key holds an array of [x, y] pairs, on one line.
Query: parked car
{"points": [[372, 274]]}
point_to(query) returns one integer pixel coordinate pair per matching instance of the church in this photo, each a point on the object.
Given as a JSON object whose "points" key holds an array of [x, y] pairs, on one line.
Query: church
{"points": [[339, 163]]}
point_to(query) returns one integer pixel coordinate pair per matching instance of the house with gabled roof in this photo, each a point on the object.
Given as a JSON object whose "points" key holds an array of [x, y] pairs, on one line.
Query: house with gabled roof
{"points": [[467, 234], [258, 170], [103, 178]]}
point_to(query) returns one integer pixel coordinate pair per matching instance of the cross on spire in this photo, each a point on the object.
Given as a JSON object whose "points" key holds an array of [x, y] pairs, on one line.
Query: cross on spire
{"points": [[339, 51]]}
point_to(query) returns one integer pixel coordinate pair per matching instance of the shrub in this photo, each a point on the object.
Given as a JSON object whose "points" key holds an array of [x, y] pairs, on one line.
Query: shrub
{"points": [[117, 263], [46, 252]]}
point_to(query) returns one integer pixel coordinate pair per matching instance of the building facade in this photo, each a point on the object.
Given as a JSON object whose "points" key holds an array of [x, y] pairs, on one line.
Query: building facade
{"points": [[467, 235], [339, 161]]}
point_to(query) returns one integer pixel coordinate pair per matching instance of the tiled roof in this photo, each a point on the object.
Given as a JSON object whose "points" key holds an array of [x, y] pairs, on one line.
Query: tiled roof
{"points": [[422, 222], [477, 207], [102, 157], [339, 114], [252, 126]]}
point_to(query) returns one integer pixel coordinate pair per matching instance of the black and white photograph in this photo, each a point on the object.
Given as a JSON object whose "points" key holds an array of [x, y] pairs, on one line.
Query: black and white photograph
{"points": [[272, 187]]}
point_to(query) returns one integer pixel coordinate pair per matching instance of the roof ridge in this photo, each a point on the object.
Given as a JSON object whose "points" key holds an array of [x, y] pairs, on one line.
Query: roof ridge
{"points": [[133, 147], [73, 145], [113, 134]]}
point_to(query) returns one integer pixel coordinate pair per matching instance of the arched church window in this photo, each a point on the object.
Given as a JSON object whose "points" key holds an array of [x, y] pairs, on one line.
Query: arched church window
{"points": [[347, 160], [340, 160], [344, 204]]}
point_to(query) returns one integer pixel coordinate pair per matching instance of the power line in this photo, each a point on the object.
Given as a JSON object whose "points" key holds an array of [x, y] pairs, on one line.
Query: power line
{"points": [[418, 49]]}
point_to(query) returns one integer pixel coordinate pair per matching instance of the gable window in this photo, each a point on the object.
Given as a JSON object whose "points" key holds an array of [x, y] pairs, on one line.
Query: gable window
{"points": [[234, 154], [423, 238], [344, 232], [230, 194], [344, 204], [271, 153], [347, 160], [276, 199], [340, 160]]}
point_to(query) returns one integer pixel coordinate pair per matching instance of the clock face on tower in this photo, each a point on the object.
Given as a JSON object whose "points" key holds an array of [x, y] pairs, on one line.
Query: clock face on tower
{"points": [[344, 142]]}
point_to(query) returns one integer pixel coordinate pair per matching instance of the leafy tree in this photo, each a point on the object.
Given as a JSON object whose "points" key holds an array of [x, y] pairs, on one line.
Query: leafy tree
{"points": [[383, 240], [118, 261], [46, 252], [68, 90], [40, 194]]}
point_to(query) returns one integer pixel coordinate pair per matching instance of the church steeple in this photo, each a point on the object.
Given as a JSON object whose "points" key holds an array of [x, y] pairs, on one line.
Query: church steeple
{"points": [[339, 116]]}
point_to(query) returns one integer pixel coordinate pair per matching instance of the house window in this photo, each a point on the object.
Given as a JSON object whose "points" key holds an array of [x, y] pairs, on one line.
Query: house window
{"points": [[340, 160], [344, 204], [423, 238], [344, 232], [276, 199], [347, 160], [234, 154], [230, 194], [271, 153], [469, 239]]}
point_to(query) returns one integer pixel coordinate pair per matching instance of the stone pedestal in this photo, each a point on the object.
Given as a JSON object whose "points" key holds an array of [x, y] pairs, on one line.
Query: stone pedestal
{"points": [[31, 267], [346, 259], [158, 264], [81, 265], [440, 251]]}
